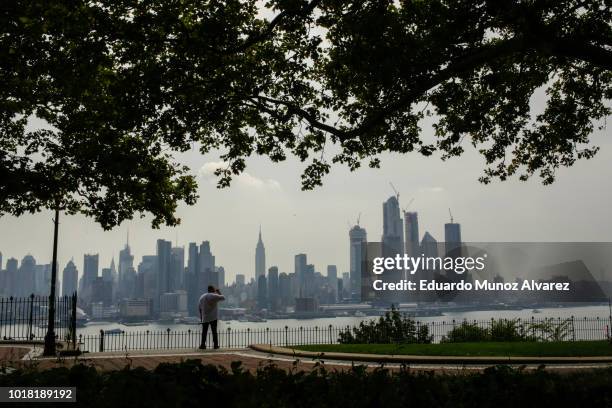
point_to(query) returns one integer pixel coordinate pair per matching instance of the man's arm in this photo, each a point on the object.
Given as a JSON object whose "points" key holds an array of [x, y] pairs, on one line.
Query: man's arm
{"points": [[217, 296]]}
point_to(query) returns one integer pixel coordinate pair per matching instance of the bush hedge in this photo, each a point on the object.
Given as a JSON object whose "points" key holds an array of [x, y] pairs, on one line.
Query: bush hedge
{"points": [[191, 384], [393, 327], [510, 330]]}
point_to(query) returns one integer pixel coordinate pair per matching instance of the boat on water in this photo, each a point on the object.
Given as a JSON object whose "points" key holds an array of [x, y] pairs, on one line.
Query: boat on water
{"points": [[114, 331], [536, 311], [130, 324], [255, 319], [190, 320]]}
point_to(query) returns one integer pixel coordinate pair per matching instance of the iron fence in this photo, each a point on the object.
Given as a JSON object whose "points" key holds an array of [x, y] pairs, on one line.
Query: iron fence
{"points": [[26, 318], [539, 329]]}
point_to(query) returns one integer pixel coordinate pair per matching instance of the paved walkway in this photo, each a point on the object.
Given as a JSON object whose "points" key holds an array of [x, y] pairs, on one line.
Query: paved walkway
{"points": [[251, 360], [12, 353]]}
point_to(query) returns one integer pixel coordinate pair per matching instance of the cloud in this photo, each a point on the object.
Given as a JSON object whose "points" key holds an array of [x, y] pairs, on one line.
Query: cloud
{"points": [[207, 171], [431, 189]]}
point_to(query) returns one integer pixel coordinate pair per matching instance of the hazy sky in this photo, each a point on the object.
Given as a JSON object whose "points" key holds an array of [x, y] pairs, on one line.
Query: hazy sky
{"points": [[575, 208]]}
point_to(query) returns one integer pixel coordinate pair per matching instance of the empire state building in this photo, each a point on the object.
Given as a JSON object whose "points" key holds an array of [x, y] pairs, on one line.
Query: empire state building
{"points": [[260, 258]]}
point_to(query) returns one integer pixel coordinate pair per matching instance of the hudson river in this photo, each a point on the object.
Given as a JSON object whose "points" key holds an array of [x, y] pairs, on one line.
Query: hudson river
{"points": [[577, 312]]}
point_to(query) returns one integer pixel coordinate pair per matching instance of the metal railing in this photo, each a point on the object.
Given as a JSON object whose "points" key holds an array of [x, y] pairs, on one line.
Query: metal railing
{"points": [[540, 329], [26, 318]]}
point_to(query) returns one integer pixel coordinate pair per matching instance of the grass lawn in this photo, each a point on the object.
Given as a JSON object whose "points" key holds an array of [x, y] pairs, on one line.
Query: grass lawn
{"points": [[523, 349]]}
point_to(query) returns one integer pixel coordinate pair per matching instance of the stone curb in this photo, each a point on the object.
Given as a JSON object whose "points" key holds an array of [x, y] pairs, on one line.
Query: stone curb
{"points": [[411, 359]]}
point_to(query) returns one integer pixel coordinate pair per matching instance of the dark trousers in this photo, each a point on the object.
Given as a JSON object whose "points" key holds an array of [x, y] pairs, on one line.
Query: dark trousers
{"points": [[213, 327]]}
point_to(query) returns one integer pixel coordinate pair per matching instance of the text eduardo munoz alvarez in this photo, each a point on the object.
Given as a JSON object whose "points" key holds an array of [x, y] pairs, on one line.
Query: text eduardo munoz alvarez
{"points": [[459, 265]]}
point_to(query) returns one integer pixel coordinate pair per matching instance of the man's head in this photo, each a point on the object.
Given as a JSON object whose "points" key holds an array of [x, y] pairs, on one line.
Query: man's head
{"points": [[211, 288]]}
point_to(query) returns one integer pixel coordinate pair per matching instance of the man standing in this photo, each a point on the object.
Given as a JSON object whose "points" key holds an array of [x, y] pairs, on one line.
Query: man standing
{"points": [[209, 314]]}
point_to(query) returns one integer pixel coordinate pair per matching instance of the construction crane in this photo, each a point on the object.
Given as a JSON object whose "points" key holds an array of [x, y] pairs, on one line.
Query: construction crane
{"points": [[451, 215], [408, 206], [395, 190]]}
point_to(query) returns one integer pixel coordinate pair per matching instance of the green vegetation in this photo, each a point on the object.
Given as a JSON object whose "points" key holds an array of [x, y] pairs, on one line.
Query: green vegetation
{"points": [[393, 327], [123, 88], [525, 349], [511, 330], [191, 384]]}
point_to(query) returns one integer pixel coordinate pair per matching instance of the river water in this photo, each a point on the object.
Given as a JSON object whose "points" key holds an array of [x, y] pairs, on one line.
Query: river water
{"points": [[578, 312]]}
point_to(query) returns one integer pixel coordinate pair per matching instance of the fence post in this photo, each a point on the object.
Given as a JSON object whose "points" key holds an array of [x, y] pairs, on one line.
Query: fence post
{"points": [[573, 330], [73, 320], [30, 317], [101, 347], [301, 335], [268, 335], [168, 338], [229, 337], [331, 341], [286, 338]]}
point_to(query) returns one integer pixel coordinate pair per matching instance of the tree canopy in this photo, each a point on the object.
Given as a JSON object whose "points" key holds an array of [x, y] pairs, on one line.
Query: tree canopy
{"points": [[124, 83]]}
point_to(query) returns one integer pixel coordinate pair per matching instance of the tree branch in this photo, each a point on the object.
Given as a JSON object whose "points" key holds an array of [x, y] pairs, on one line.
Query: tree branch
{"points": [[486, 53], [580, 50], [276, 21]]}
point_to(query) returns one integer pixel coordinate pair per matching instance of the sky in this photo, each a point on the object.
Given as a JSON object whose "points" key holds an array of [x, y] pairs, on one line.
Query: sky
{"points": [[575, 208]]}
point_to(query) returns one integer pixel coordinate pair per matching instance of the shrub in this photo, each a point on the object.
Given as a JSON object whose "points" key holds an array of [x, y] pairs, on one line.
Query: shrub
{"points": [[466, 332], [193, 385], [393, 327], [507, 330], [497, 330], [552, 330]]}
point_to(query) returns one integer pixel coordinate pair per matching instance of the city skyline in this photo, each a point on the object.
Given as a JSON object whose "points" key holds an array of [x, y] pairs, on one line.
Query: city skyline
{"points": [[315, 222], [171, 277]]}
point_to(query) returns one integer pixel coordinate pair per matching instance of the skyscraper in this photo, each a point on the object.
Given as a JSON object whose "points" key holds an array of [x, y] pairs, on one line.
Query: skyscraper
{"points": [[346, 281], [284, 289], [452, 246], [300, 273], [3, 285], [126, 271], [192, 278], [411, 233], [262, 292], [177, 266], [429, 246], [260, 258], [69, 279], [393, 229], [332, 279], [12, 266], [107, 274], [25, 282], [220, 276], [164, 274], [309, 281], [147, 279], [114, 276], [357, 239], [42, 279], [207, 267], [452, 238], [90, 273], [273, 289]]}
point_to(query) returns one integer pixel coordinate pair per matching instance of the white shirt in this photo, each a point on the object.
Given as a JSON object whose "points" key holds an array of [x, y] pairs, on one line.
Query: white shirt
{"points": [[208, 306]]}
